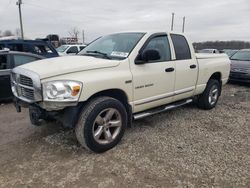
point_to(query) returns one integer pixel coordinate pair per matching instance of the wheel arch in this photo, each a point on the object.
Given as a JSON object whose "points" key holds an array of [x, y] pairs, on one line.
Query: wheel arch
{"points": [[118, 94], [217, 76]]}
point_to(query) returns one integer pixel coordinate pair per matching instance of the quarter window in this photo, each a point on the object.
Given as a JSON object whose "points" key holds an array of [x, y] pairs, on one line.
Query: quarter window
{"points": [[161, 44], [181, 47]]}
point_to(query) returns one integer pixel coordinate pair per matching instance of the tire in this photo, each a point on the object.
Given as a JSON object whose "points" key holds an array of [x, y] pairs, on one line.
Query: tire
{"points": [[101, 124], [209, 98]]}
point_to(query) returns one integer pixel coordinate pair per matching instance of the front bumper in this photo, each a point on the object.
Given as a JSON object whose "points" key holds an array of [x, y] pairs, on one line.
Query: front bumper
{"points": [[68, 116], [239, 77]]}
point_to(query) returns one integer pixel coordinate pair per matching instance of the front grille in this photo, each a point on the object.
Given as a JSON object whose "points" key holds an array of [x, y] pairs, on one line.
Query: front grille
{"points": [[239, 75], [23, 86], [27, 93], [24, 80], [26, 85]]}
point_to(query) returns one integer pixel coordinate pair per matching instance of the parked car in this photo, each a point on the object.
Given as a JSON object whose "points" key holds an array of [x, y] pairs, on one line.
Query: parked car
{"points": [[209, 51], [240, 66], [118, 78], [38, 47], [70, 49], [229, 52], [9, 60]]}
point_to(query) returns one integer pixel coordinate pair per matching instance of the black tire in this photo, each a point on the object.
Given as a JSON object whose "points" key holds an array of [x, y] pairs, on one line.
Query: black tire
{"points": [[203, 101], [87, 122]]}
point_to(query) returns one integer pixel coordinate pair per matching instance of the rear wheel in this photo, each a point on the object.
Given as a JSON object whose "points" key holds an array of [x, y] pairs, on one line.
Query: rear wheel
{"points": [[101, 124], [209, 98]]}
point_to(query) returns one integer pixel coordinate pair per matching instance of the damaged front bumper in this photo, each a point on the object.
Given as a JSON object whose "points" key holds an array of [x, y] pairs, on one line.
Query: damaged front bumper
{"points": [[67, 116]]}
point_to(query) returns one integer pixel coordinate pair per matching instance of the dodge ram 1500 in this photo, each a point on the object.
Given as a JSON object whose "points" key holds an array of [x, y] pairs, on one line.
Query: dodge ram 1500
{"points": [[116, 79]]}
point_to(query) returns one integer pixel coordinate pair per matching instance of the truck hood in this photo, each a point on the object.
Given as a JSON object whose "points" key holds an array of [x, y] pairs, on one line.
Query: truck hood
{"points": [[68, 64]]}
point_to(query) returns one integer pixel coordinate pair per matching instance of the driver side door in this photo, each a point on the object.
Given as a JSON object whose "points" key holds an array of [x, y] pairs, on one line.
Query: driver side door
{"points": [[154, 81]]}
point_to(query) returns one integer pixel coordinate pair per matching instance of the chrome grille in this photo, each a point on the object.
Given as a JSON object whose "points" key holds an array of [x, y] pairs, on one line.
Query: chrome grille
{"points": [[24, 80], [28, 93], [23, 86], [26, 85]]}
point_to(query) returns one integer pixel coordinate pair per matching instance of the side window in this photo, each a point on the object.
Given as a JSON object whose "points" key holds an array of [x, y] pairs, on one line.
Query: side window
{"points": [[3, 62], [81, 47], [41, 49], [15, 47], [26, 48], [181, 47], [162, 45], [22, 59], [72, 50]]}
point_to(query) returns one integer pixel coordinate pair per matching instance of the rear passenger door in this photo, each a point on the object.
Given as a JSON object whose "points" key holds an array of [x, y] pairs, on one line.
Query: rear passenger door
{"points": [[186, 68]]}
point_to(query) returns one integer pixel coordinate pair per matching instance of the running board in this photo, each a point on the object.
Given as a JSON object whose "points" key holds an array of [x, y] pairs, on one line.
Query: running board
{"points": [[161, 109]]}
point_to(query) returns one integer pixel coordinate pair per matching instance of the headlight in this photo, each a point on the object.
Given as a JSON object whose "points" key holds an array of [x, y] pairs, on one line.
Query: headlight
{"points": [[62, 91]]}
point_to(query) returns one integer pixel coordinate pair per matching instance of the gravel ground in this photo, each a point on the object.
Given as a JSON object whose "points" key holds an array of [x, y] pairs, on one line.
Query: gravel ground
{"points": [[185, 147]]}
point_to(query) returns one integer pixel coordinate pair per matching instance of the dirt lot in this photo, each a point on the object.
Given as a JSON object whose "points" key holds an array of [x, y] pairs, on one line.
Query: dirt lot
{"points": [[186, 147]]}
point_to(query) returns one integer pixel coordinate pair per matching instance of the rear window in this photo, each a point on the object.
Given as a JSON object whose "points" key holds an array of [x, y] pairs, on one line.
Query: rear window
{"points": [[181, 47], [18, 47], [15, 47]]}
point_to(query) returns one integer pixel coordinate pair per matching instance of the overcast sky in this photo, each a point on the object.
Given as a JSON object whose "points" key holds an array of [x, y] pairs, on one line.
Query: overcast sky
{"points": [[205, 19]]}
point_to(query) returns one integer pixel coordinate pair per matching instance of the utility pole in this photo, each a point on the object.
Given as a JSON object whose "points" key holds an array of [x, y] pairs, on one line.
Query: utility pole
{"points": [[19, 3], [183, 25], [172, 23], [83, 37]]}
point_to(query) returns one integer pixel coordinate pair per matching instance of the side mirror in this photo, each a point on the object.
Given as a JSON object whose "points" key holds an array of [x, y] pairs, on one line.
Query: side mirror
{"points": [[148, 55]]}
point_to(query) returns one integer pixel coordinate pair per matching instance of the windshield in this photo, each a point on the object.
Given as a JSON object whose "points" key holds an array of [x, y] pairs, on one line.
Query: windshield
{"points": [[241, 55], [115, 46], [62, 48], [230, 52]]}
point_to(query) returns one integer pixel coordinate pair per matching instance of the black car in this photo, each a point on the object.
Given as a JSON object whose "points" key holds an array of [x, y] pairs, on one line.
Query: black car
{"points": [[9, 60], [38, 47], [240, 66]]}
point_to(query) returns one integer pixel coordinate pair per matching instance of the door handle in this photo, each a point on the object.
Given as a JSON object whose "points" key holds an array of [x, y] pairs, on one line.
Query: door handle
{"points": [[169, 69], [192, 66]]}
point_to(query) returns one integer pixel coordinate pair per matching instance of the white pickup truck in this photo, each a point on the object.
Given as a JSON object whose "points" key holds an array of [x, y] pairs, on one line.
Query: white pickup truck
{"points": [[116, 79]]}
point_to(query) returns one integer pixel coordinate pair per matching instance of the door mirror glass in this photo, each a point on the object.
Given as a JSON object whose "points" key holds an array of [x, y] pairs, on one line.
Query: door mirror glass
{"points": [[149, 55]]}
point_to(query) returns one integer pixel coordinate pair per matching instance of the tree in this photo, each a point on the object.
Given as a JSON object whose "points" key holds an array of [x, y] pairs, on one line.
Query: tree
{"points": [[7, 33], [18, 32], [74, 32]]}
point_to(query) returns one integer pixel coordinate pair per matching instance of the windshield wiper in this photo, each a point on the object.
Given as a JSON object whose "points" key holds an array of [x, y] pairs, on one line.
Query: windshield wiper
{"points": [[98, 52]]}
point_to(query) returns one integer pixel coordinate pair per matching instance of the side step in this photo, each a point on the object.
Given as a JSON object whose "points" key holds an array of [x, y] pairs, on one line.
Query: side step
{"points": [[161, 109]]}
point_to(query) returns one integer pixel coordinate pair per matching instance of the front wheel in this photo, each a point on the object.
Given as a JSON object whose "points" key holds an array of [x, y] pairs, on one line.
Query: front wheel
{"points": [[209, 98], [101, 124]]}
